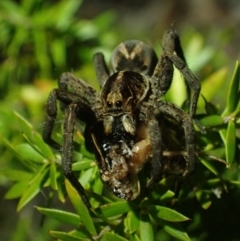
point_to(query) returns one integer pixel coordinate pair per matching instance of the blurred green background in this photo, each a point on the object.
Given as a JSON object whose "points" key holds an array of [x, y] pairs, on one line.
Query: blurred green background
{"points": [[40, 39]]}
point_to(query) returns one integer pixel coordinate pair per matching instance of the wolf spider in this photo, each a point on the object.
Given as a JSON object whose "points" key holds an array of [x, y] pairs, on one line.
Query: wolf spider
{"points": [[126, 121]]}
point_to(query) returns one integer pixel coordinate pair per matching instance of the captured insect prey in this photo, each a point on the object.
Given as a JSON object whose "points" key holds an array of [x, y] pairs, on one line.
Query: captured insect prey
{"points": [[127, 125]]}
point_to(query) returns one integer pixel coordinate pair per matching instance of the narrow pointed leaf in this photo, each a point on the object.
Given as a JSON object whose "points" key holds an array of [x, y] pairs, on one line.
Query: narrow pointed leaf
{"points": [[211, 120], [146, 229], [33, 188], [65, 11], [58, 50], [61, 190], [53, 176], [167, 214], [80, 208], [29, 153], [11, 148], [66, 236], [114, 209], [34, 137], [204, 199], [134, 237], [61, 216], [209, 166], [176, 231], [132, 221], [97, 186], [211, 85], [230, 143], [16, 175], [112, 237], [223, 134], [83, 164], [232, 97], [16, 190]]}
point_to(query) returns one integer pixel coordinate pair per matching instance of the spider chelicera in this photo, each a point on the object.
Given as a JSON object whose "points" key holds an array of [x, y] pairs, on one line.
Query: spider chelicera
{"points": [[126, 124]]}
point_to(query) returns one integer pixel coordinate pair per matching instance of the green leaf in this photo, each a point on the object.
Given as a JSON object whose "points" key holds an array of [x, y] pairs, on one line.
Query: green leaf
{"points": [[176, 231], [146, 228], [196, 47], [29, 153], [63, 236], [81, 232], [83, 164], [16, 190], [210, 108], [132, 221], [216, 80], [61, 190], [61, 216], [97, 186], [16, 175], [80, 208], [209, 166], [223, 134], [112, 237], [211, 120], [161, 191], [34, 187], [64, 13], [33, 137], [134, 237], [167, 214], [237, 110], [87, 176], [232, 97], [114, 209], [11, 148], [167, 196], [41, 52], [204, 199], [85, 30], [58, 49], [53, 176], [230, 143]]}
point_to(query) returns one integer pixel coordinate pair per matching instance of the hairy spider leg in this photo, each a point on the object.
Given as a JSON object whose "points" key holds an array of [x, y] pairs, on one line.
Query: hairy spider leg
{"points": [[157, 151], [190, 78], [67, 152], [183, 119], [51, 113], [74, 104], [72, 101], [101, 69], [163, 73]]}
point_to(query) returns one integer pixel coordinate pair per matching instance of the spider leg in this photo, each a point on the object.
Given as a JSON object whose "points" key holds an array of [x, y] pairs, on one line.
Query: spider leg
{"points": [[100, 68], [183, 119], [51, 113], [163, 73], [171, 43], [191, 79], [155, 138], [157, 151], [85, 112], [67, 152], [77, 87]]}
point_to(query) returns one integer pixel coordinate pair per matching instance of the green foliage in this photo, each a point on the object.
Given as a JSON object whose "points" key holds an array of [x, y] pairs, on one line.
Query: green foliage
{"points": [[39, 37], [40, 41]]}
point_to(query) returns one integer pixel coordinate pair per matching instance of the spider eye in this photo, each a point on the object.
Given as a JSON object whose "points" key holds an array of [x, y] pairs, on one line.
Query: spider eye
{"points": [[118, 103], [109, 104]]}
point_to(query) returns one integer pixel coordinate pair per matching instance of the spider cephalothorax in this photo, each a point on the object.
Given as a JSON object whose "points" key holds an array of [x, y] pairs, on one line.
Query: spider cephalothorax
{"points": [[127, 124]]}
